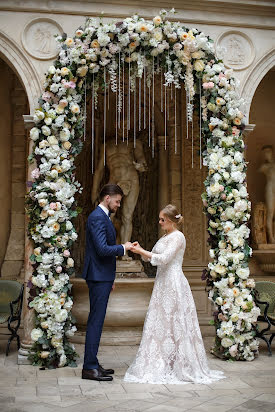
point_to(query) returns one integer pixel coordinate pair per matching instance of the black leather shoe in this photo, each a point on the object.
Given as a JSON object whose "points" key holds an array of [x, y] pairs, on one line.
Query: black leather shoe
{"points": [[106, 371], [95, 375]]}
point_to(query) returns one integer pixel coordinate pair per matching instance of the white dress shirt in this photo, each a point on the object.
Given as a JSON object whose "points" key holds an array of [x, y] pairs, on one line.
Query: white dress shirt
{"points": [[106, 210]]}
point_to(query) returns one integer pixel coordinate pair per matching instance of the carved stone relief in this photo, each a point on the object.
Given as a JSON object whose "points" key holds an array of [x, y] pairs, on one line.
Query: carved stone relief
{"points": [[38, 38], [237, 49]]}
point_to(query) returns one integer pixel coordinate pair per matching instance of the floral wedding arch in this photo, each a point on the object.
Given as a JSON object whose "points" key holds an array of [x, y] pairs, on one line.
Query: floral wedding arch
{"points": [[96, 60]]}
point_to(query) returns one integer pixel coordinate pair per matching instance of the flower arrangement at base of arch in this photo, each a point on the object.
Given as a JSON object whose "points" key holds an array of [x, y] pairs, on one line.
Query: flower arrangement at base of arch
{"points": [[88, 60]]}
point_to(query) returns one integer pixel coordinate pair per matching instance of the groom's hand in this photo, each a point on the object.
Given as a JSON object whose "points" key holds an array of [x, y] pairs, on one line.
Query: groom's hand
{"points": [[128, 245]]}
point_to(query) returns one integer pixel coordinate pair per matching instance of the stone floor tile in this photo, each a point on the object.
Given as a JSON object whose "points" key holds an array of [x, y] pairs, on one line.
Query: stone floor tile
{"points": [[164, 408], [46, 390], [128, 396], [188, 387], [260, 382], [70, 380], [144, 387], [71, 390], [131, 406], [266, 397], [255, 405], [113, 388], [88, 392]]}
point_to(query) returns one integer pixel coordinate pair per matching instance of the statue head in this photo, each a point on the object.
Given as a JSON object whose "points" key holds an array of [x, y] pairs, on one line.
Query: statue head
{"points": [[267, 152]]}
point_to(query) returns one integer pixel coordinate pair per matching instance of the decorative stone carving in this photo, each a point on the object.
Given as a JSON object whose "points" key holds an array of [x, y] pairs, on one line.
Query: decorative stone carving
{"points": [[259, 224], [239, 49], [38, 38]]}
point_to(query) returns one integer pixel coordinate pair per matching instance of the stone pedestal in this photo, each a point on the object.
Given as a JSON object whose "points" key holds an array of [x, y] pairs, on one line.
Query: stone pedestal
{"points": [[126, 311], [130, 269]]}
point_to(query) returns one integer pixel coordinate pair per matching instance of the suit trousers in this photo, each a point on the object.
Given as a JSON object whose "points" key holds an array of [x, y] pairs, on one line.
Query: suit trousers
{"points": [[99, 293]]}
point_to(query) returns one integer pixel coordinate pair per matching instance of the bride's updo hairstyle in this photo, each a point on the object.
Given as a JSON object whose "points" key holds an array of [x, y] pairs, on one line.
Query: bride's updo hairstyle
{"points": [[171, 212]]}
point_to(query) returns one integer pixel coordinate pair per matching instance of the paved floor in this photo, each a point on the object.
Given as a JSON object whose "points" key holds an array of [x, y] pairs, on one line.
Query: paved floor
{"points": [[250, 386]]}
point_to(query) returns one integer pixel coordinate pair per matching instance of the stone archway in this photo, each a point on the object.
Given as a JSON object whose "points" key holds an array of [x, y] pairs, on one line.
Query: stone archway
{"points": [[17, 60], [254, 78]]}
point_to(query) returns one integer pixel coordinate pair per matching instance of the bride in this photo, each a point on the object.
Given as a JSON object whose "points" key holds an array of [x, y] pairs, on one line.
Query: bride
{"points": [[171, 348]]}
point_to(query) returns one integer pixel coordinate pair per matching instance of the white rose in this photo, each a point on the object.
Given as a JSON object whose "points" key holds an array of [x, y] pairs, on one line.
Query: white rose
{"points": [[75, 108], [212, 253], [70, 263], [36, 334], [46, 130], [52, 140], [243, 273], [51, 70], [69, 225], [219, 301], [39, 114], [226, 342], [34, 133], [48, 121], [64, 135], [42, 202], [230, 212], [234, 317], [61, 315], [62, 361], [54, 175]]}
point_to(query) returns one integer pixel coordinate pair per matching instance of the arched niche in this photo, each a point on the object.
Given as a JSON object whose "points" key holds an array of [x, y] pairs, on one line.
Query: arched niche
{"points": [[254, 78], [262, 114]]}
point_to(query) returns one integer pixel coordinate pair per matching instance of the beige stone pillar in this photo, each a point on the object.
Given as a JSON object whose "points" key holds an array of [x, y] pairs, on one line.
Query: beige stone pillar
{"points": [[28, 314], [163, 176]]}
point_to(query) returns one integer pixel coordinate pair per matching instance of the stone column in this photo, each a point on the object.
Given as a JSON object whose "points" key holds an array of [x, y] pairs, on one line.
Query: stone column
{"points": [[28, 314], [163, 175]]}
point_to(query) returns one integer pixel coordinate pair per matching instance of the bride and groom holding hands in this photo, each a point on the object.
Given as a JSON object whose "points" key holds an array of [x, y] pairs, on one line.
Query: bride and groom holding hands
{"points": [[171, 348]]}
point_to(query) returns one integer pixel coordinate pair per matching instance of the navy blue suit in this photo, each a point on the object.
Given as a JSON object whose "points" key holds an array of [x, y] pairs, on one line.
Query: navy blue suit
{"points": [[99, 272]]}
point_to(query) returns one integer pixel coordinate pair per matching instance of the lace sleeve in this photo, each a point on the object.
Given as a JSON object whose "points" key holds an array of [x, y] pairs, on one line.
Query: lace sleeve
{"points": [[174, 244]]}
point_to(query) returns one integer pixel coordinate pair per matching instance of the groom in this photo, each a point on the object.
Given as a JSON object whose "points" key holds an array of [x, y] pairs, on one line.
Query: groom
{"points": [[99, 272]]}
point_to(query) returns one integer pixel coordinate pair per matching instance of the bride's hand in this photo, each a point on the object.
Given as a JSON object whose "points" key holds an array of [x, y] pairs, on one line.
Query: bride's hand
{"points": [[136, 248]]}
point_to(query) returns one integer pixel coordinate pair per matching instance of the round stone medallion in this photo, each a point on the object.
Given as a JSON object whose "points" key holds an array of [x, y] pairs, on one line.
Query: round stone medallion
{"points": [[237, 48], [38, 38]]}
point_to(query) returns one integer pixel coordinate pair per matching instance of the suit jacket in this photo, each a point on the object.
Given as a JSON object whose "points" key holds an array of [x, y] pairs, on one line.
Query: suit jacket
{"points": [[101, 248]]}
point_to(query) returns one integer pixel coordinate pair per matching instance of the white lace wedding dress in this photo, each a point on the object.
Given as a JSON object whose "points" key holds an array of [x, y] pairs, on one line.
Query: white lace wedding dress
{"points": [[171, 349]]}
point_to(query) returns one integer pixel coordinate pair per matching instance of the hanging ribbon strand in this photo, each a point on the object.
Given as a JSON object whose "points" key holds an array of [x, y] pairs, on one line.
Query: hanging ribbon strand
{"points": [[200, 114], [93, 121], [123, 102], [144, 96], [153, 105], [85, 110], [119, 93], [129, 100], [165, 116], [175, 120], [104, 122], [134, 111], [139, 104]]}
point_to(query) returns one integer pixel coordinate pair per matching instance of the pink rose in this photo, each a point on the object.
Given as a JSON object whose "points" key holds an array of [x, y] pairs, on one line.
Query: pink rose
{"points": [[221, 75], [35, 173], [66, 253], [221, 188], [223, 196], [63, 103], [58, 269], [53, 205], [72, 85], [208, 85], [47, 96]]}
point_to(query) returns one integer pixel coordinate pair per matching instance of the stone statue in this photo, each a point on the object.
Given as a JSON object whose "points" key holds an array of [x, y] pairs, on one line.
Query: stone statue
{"points": [[124, 161], [268, 168]]}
